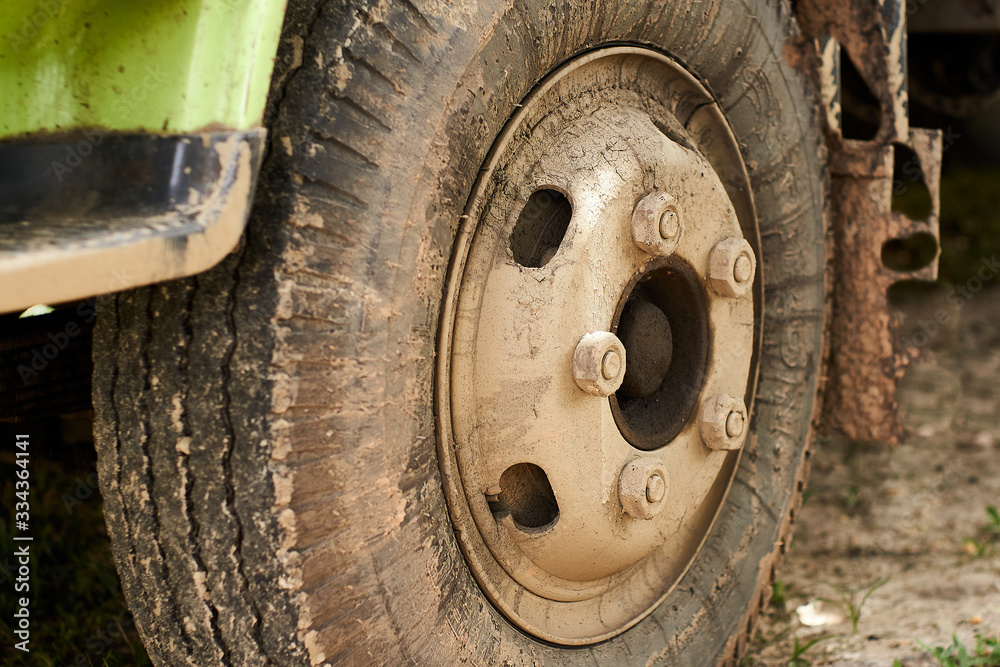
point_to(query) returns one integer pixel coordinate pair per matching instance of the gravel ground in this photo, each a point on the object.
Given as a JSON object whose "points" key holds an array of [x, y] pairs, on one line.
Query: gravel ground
{"points": [[904, 515]]}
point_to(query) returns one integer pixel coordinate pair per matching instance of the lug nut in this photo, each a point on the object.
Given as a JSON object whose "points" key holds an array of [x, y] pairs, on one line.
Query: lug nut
{"points": [[731, 267], [642, 487], [723, 422], [599, 363], [656, 224]]}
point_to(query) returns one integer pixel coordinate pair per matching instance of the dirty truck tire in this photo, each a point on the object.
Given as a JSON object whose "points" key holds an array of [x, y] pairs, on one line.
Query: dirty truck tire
{"points": [[266, 430]]}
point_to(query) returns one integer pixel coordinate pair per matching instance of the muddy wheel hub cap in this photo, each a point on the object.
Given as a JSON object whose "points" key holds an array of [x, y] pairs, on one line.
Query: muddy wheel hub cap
{"points": [[598, 345]]}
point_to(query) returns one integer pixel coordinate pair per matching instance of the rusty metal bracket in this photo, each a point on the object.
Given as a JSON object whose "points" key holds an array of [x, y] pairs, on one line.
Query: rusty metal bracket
{"points": [[867, 357]]}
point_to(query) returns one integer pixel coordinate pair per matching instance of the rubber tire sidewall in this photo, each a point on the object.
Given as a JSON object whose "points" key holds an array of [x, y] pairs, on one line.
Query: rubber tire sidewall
{"points": [[738, 51], [375, 144]]}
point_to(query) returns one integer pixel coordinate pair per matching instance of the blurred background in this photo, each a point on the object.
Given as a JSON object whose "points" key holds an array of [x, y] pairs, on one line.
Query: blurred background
{"points": [[895, 551], [894, 559]]}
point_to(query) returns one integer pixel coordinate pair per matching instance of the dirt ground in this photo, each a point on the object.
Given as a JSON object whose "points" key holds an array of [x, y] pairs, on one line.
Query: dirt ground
{"points": [[904, 514]]}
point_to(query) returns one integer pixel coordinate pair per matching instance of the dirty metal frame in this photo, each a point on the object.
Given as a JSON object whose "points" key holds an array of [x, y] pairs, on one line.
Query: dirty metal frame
{"points": [[867, 355], [130, 140], [147, 208]]}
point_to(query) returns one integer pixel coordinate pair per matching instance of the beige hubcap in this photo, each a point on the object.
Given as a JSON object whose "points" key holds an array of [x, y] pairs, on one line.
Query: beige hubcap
{"points": [[605, 243]]}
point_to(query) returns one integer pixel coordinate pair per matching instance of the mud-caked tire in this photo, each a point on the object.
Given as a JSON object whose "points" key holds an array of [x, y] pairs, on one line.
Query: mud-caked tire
{"points": [[266, 430]]}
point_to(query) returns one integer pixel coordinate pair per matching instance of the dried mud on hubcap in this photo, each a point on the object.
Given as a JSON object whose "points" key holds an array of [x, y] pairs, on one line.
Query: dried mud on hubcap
{"points": [[599, 339]]}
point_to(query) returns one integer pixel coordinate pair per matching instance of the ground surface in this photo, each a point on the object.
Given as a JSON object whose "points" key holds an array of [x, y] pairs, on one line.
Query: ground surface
{"points": [[905, 514]]}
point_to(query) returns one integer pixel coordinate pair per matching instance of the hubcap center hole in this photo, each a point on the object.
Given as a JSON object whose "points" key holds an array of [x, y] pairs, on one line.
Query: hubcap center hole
{"points": [[663, 325], [645, 332]]}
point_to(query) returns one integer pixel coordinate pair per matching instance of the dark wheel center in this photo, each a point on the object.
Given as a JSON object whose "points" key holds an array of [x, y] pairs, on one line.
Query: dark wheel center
{"points": [[663, 324], [645, 332]]}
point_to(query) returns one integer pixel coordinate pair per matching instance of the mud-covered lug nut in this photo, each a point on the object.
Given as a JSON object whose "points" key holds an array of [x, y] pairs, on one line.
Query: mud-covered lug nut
{"points": [[731, 267], [642, 487], [656, 224], [723, 422], [599, 363]]}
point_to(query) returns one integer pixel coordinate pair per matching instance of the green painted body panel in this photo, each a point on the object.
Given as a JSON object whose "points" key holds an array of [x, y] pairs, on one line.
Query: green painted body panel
{"points": [[149, 65]]}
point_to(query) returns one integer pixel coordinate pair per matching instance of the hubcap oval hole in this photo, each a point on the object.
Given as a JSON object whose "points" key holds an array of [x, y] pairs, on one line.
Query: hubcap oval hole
{"points": [[527, 495], [650, 415], [540, 228]]}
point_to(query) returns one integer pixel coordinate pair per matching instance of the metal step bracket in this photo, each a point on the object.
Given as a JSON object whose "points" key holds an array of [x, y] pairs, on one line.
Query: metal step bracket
{"points": [[867, 355]]}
